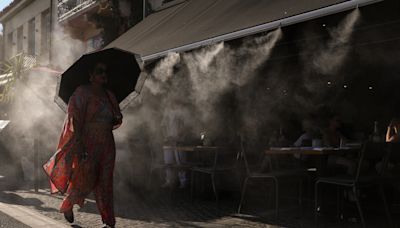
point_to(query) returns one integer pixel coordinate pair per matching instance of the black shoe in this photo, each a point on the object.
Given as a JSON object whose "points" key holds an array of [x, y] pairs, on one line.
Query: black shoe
{"points": [[69, 216]]}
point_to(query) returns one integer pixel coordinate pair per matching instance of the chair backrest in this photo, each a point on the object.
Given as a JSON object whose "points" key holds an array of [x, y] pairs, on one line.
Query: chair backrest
{"points": [[153, 158], [243, 155], [370, 154], [251, 160]]}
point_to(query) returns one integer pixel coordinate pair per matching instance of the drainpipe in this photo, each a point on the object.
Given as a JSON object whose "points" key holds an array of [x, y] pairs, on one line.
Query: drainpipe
{"points": [[51, 33], [3, 47]]}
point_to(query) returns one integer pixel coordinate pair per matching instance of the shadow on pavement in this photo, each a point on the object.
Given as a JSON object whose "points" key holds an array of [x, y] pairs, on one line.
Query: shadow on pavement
{"points": [[173, 207], [12, 198]]}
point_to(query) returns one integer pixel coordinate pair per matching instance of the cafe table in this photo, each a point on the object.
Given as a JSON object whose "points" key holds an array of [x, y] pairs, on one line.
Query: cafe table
{"points": [[320, 153], [197, 157], [310, 150], [191, 148]]}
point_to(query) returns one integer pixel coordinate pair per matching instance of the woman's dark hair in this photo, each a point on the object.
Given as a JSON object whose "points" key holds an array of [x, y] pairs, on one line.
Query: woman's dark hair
{"points": [[91, 68]]}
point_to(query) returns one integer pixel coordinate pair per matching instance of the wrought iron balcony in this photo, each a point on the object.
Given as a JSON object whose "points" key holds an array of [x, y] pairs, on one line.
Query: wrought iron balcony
{"points": [[68, 8]]}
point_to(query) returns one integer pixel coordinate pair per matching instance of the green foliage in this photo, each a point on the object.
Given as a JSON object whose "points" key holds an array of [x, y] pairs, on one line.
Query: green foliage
{"points": [[12, 70]]}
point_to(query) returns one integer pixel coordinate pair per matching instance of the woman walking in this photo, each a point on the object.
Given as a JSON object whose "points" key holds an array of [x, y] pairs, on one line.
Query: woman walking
{"points": [[85, 156]]}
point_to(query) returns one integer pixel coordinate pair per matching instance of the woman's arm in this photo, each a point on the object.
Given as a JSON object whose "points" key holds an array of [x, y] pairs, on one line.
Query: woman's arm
{"points": [[77, 111], [388, 134], [116, 110], [76, 115], [392, 134]]}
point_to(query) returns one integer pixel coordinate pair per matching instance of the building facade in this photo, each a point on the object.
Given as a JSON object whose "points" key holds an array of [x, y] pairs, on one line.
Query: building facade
{"points": [[1, 49], [97, 22], [27, 29], [40, 27]]}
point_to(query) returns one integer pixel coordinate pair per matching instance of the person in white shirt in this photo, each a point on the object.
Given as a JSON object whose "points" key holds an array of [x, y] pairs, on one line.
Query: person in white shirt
{"points": [[172, 125], [307, 136]]}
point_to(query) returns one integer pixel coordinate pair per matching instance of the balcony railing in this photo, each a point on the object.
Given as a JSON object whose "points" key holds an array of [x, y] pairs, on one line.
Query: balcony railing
{"points": [[68, 8]]}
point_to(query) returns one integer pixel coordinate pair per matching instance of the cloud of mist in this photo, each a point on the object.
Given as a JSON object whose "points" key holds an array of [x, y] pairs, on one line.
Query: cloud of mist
{"points": [[162, 72], [215, 68], [323, 60], [212, 71], [253, 53], [33, 113], [330, 58], [34, 117], [66, 50]]}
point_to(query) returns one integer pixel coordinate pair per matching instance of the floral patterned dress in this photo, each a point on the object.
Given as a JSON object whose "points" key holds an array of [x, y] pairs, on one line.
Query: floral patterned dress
{"points": [[76, 172]]}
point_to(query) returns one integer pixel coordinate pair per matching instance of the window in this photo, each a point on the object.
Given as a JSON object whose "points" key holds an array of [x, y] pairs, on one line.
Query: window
{"points": [[31, 37], [95, 43], [45, 32], [19, 39], [10, 40], [157, 5], [9, 47]]}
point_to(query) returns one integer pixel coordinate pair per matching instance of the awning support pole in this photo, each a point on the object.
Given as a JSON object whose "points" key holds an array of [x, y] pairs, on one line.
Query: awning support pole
{"points": [[144, 9]]}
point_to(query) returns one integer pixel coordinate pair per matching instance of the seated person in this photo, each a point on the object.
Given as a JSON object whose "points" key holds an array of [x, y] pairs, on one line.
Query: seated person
{"points": [[332, 137], [306, 138], [392, 136], [172, 126]]}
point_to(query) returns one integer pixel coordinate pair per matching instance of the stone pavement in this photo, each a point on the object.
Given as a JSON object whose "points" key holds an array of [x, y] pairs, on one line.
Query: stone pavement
{"points": [[148, 210], [134, 212], [20, 216], [161, 208], [7, 221]]}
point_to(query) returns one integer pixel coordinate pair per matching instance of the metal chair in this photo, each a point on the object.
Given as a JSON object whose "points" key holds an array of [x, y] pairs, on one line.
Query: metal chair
{"points": [[391, 174], [154, 165], [223, 160], [275, 175], [370, 153]]}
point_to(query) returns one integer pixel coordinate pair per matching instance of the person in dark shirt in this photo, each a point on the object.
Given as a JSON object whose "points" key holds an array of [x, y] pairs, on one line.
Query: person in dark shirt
{"points": [[332, 137]]}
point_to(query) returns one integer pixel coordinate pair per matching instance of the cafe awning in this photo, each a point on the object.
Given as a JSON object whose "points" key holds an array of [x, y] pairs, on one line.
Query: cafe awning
{"points": [[194, 23]]}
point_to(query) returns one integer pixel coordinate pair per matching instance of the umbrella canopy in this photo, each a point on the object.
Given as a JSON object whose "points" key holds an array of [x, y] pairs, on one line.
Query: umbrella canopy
{"points": [[123, 69]]}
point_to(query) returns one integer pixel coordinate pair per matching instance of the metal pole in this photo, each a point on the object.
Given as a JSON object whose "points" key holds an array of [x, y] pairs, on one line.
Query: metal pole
{"points": [[51, 33], [36, 163], [144, 9]]}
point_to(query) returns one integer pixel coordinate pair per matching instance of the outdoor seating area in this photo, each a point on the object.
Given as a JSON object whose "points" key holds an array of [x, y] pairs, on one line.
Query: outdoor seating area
{"points": [[314, 188]]}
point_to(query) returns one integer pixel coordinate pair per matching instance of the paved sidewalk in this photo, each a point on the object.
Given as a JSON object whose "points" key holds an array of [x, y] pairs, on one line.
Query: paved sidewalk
{"points": [[7, 221], [29, 217], [134, 211], [165, 209]]}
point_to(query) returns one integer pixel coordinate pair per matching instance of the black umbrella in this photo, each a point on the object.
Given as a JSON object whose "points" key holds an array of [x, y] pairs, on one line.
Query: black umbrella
{"points": [[124, 75]]}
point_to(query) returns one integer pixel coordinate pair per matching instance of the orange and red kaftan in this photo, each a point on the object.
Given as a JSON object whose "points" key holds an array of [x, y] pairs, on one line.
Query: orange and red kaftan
{"points": [[77, 177]]}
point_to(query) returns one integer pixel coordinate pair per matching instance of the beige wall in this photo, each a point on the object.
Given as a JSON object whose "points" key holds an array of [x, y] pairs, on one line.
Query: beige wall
{"points": [[32, 10]]}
